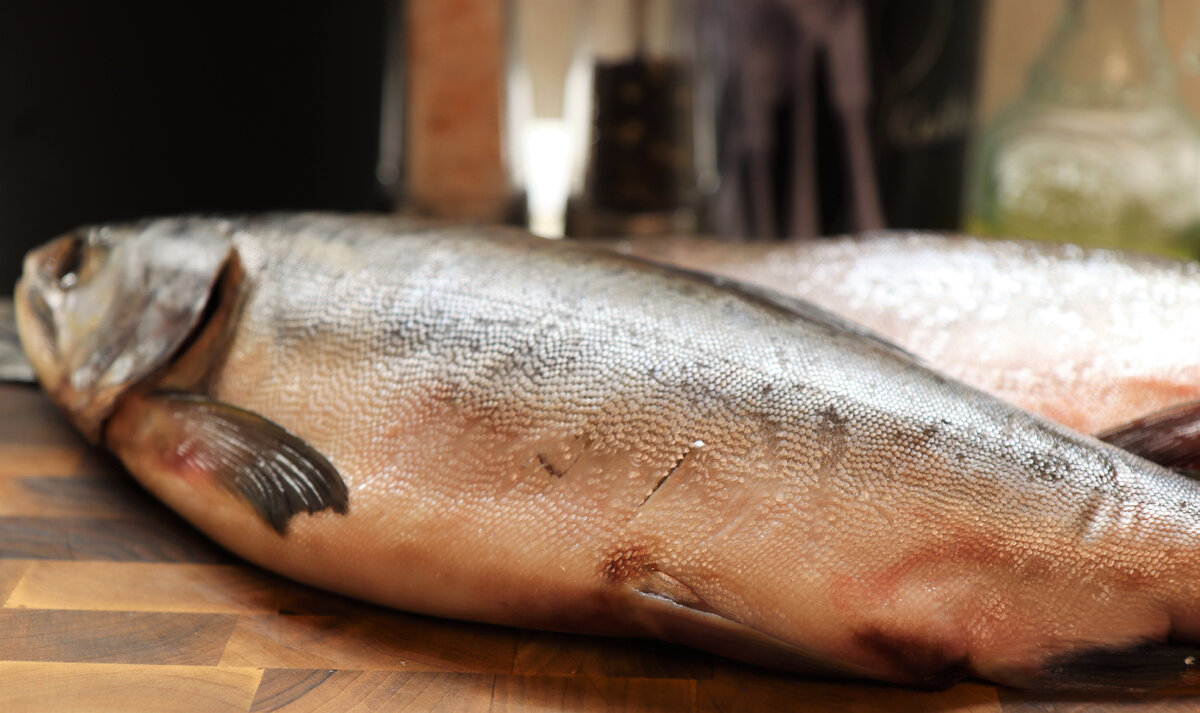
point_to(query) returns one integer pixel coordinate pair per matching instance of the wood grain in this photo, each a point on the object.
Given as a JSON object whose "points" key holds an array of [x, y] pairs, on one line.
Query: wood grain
{"points": [[309, 691], [75, 496], [11, 572], [140, 586], [514, 694], [117, 688], [548, 653], [28, 419], [112, 603], [26, 460], [114, 637], [382, 642], [90, 538]]}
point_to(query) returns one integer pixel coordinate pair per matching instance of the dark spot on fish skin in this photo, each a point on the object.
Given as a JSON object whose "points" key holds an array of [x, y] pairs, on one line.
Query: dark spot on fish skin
{"points": [[442, 390], [627, 563], [493, 321], [1114, 474], [766, 389], [917, 440], [831, 418], [1048, 468], [585, 442], [921, 662], [549, 468]]}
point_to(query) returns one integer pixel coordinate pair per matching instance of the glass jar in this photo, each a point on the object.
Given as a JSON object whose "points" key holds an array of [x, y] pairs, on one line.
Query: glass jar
{"points": [[1100, 149]]}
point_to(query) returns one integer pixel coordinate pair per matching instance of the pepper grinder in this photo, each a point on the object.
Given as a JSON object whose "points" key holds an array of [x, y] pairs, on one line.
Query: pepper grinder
{"points": [[630, 107]]}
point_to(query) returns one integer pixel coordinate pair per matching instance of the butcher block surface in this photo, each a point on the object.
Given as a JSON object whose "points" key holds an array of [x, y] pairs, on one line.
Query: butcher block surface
{"points": [[112, 603]]}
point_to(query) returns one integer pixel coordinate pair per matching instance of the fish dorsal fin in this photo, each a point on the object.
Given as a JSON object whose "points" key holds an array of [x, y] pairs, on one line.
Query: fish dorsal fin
{"points": [[274, 471], [14, 367], [1170, 437]]}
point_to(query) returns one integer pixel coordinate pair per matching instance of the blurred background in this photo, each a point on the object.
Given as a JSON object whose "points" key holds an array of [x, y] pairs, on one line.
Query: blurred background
{"points": [[114, 110], [1055, 119]]}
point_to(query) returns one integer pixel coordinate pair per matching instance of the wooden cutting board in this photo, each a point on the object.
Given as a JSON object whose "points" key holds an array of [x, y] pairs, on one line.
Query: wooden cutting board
{"points": [[112, 603]]}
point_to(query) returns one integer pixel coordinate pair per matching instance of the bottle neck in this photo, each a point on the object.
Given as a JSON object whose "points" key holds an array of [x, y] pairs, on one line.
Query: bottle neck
{"points": [[1105, 52]]}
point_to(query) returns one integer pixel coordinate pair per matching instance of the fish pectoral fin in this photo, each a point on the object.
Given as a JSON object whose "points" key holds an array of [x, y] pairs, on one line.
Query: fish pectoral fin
{"points": [[665, 608], [1170, 437], [14, 367], [274, 471]]}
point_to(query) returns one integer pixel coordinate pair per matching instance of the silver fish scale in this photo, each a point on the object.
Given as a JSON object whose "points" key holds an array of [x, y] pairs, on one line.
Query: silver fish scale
{"points": [[533, 336], [1091, 338], [539, 434]]}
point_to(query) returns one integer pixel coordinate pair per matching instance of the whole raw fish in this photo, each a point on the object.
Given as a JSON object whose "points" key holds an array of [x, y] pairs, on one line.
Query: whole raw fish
{"points": [[479, 424], [1093, 339]]}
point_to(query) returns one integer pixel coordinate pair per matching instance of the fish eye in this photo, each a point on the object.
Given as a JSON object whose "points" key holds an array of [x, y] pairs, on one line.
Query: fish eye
{"points": [[66, 264]]}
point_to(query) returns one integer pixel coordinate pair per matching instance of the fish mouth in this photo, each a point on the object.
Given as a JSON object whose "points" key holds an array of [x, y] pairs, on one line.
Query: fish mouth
{"points": [[47, 273], [45, 319]]}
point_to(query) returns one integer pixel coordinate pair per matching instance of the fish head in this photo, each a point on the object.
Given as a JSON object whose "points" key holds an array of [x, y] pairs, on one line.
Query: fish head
{"points": [[101, 309]]}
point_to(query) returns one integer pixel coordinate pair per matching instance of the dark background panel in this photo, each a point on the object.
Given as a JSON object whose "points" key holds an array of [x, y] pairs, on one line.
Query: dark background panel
{"points": [[114, 110]]}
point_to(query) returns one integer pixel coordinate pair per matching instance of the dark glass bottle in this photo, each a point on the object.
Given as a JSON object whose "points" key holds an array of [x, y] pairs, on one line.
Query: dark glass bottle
{"points": [[923, 70], [631, 107]]}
